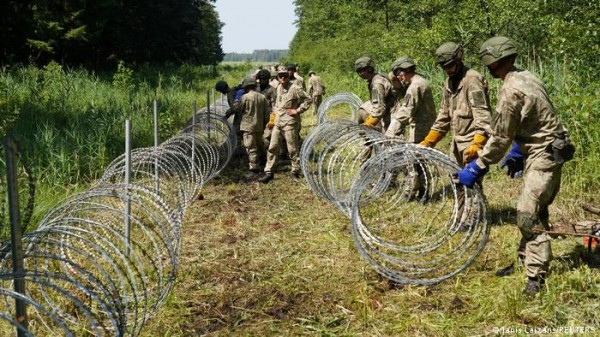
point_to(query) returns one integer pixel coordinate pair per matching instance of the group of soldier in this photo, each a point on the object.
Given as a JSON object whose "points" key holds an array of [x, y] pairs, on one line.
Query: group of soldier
{"points": [[525, 121], [267, 106]]}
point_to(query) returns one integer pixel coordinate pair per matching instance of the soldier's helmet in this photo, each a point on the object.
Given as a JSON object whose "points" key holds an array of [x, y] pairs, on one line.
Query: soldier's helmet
{"points": [[291, 66], [248, 81], [404, 62], [273, 74], [310, 73], [448, 53], [495, 49], [221, 86], [363, 62], [263, 74]]}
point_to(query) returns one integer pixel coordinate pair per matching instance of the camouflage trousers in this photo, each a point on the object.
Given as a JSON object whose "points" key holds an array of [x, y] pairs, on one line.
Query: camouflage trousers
{"points": [[317, 100], [290, 134], [252, 144], [539, 190]]}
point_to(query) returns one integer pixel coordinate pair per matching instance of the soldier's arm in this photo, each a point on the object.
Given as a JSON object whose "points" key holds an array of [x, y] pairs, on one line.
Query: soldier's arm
{"points": [[303, 98], [378, 100], [406, 108], [480, 105], [504, 127]]}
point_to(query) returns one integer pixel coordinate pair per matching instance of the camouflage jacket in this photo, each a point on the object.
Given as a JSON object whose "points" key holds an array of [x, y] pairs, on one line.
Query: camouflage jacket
{"points": [[315, 86], [290, 97], [466, 110], [381, 96], [253, 107], [417, 109], [525, 114]]}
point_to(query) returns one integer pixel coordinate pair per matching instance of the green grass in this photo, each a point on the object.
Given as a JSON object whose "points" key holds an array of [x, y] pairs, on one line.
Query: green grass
{"points": [[275, 260]]}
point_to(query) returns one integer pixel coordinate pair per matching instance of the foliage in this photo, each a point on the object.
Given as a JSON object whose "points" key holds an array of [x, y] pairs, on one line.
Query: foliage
{"points": [[261, 55], [100, 33], [332, 33]]}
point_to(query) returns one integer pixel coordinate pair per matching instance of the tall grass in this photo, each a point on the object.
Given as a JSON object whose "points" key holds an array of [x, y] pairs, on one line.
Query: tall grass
{"points": [[69, 123]]}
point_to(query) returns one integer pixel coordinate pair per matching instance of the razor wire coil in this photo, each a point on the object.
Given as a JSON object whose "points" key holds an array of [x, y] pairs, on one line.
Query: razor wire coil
{"points": [[410, 219], [86, 273]]}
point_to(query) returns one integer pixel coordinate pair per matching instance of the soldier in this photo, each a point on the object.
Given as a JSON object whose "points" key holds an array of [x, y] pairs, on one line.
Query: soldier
{"points": [[465, 108], [417, 111], [525, 117], [270, 94], [316, 89], [233, 98], [294, 75], [380, 93], [254, 107], [291, 101]]}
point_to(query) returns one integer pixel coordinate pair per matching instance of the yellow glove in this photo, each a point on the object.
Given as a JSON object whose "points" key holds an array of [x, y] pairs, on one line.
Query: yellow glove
{"points": [[271, 122], [476, 145], [432, 138], [371, 121]]}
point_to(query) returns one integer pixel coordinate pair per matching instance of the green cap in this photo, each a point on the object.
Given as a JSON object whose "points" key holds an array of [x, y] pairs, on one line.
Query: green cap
{"points": [[404, 62], [248, 81], [495, 49], [448, 52], [363, 62]]}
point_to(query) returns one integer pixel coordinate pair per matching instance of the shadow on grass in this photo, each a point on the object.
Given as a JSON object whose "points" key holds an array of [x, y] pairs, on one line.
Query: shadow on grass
{"points": [[502, 216], [580, 255]]}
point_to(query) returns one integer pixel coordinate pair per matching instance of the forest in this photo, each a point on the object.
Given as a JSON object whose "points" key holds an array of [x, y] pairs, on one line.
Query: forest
{"points": [[99, 34]]}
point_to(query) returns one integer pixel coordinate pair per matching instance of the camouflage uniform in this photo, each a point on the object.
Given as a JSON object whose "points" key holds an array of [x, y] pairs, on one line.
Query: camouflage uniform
{"points": [[382, 99], [289, 97], [526, 115], [416, 110], [465, 111], [253, 107], [316, 89]]}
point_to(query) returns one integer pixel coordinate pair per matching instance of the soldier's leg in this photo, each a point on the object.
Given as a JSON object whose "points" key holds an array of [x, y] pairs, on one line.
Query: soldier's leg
{"points": [[291, 138], [251, 146], [273, 151], [540, 188]]}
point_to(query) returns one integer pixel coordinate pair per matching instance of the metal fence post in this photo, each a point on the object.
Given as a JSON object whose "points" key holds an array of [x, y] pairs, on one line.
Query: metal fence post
{"points": [[15, 232]]}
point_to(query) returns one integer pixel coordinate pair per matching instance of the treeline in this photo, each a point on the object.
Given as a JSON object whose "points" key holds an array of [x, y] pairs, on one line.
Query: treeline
{"points": [[99, 33], [333, 33], [261, 55]]}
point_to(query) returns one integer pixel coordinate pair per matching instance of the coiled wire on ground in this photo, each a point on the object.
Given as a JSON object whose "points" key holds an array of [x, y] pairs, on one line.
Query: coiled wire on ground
{"points": [[345, 103], [86, 272], [410, 219]]}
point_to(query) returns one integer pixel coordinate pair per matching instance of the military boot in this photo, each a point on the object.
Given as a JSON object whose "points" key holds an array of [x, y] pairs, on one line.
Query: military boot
{"points": [[266, 178], [534, 285]]}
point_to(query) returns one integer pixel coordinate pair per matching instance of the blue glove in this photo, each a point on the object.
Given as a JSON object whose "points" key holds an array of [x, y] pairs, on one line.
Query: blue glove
{"points": [[514, 161], [238, 95], [469, 175]]}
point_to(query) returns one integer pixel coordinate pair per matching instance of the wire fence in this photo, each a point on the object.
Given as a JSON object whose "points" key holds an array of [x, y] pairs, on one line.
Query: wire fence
{"points": [[103, 261], [410, 219]]}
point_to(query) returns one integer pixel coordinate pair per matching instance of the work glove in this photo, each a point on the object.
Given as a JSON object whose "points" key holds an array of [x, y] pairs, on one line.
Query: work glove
{"points": [[432, 138], [471, 173], [477, 144], [271, 122], [514, 161], [370, 121]]}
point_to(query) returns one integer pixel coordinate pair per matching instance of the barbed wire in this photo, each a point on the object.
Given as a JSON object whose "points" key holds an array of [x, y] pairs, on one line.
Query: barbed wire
{"points": [[410, 219], [103, 261]]}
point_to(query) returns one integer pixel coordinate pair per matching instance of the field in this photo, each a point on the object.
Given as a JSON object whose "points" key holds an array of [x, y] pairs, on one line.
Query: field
{"points": [[276, 260]]}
